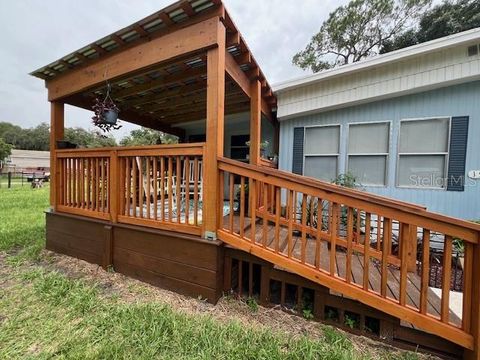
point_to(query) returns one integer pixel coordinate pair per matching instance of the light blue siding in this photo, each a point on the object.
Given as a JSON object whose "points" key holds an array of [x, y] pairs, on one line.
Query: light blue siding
{"points": [[456, 100]]}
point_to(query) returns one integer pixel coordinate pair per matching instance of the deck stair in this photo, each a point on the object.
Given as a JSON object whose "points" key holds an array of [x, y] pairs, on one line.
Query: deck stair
{"points": [[343, 239]]}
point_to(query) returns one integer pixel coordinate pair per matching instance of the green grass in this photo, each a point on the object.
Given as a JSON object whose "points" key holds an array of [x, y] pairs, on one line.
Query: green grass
{"points": [[22, 224], [45, 314]]}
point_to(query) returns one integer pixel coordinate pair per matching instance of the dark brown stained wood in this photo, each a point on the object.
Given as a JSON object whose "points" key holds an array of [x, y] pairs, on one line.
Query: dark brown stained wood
{"points": [[185, 264], [166, 282], [193, 252], [166, 267]]}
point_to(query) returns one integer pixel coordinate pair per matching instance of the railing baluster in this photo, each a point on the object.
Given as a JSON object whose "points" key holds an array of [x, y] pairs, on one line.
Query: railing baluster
{"points": [[366, 252], [195, 193], [405, 238], [148, 186], [242, 206], [253, 210], [140, 185], [179, 189], [134, 185], [170, 188], [446, 278], [304, 228], [333, 237], [88, 185], [155, 187], [425, 271], [277, 219], [128, 179], [318, 244], [387, 237], [162, 186], [350, 223], [231, 186], [467, 286], [82, 184], [265, 210], [187, 189], [290, 214]]}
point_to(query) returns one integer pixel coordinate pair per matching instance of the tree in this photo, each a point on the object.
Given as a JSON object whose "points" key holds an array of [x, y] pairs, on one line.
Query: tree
{"points": [[5, 151], [146, 136], [90, 139], [358, 30], [444, 19]]}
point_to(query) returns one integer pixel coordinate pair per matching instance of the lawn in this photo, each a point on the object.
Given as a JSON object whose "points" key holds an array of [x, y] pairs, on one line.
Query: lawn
{"points": [[47, 313]]}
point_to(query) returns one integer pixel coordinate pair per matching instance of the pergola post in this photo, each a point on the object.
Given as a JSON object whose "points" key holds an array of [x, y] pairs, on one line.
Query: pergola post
{"points": [[255, 121], [214, 134], [57, 128]]}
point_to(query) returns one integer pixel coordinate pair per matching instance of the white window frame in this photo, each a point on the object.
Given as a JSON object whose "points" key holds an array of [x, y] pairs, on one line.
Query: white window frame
{"points": [[387, 155], [446, 154], [337, 155]]}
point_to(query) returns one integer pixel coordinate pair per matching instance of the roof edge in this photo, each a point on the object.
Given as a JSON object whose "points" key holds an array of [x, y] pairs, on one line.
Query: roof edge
{"points": [[397, 55]]}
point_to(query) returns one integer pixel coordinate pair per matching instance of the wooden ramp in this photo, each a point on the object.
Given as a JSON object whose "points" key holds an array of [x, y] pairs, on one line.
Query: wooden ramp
{"points": [[365, 247]]}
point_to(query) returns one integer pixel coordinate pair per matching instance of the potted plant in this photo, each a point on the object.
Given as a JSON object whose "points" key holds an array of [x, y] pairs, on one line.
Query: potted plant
{"points": [[263, 146], [238, 198], [106, 113]]}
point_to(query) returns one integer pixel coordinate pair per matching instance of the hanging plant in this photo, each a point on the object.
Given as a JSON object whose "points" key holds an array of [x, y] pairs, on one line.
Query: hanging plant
{"points": [[106, 113]]}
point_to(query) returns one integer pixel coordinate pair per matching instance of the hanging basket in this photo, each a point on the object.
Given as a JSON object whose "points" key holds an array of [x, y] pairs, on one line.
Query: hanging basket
{"points": [[106, 113]]}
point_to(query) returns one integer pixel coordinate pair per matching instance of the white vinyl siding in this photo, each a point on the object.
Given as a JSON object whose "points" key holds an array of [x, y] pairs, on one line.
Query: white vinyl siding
{"points": [[423, 153], [321, 150], [368, 150]]}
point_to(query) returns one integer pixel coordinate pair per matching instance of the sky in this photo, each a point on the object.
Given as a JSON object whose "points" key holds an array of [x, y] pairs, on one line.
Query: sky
{"points": [[38, 32]]}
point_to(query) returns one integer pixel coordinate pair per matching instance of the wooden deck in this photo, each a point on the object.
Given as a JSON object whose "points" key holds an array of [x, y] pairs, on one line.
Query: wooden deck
{"points": [[357, 272]]}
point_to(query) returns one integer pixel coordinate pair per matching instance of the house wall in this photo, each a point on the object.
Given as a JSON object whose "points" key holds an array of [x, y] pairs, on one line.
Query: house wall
{"points": [[458, 100], [395, 75]]}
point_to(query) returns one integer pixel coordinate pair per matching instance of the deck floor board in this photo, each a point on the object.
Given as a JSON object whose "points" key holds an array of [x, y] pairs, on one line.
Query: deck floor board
{"points": [[375, 273]]}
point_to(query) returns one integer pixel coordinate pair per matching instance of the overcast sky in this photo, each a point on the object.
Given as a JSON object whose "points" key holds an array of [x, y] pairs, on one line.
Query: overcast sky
{"points": [[37, 32]]}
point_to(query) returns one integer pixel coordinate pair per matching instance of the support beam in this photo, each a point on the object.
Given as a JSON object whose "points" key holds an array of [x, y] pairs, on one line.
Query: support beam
{"points": [[215, 133], [474, 303], [243, 81], [136, 58], [255, 122], [57, 128]]}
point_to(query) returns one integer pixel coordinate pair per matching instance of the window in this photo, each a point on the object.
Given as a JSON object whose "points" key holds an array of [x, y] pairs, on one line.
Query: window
{"points": [[368, 148], [423, 152], [322, 147]]}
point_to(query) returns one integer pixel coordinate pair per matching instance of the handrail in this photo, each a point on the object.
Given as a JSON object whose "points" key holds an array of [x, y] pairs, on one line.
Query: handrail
{"points": [[348, 194], [340, 238], [133, 184]]}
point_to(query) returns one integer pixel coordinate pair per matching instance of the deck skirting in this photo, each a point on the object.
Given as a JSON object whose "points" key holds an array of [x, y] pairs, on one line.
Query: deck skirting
{"points": [[185, 264]]}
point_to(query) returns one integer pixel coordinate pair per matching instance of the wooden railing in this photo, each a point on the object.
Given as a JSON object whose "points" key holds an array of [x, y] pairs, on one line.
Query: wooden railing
{"points": [[155, 186], [358, 244]]}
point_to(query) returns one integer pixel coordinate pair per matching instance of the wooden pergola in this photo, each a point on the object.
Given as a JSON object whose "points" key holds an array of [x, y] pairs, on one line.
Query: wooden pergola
{"points": [[185, 62]]}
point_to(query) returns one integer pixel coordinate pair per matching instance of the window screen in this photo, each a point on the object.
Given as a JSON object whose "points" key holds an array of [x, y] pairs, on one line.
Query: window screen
{"points": [[423, 151], [322, 146], [368, 149]]}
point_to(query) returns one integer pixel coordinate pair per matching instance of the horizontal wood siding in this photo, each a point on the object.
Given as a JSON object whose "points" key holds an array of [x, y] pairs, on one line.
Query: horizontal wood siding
{"points": [[449, 66], [460, 100], [82, 239]]}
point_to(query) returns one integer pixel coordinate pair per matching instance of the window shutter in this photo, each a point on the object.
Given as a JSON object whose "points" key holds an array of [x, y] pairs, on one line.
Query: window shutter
{"points": [[298, 136], [457, 154]]}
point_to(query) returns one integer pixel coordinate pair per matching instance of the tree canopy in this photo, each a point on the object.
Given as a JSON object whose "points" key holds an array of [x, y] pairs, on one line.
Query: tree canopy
{"points": [[146, 136], [445, 19], [358, 30], [38, 137], [5, 151]]}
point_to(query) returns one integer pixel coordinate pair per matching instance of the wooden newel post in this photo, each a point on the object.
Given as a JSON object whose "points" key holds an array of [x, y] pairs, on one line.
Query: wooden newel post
{"points": [[57, 127], [255, 135], [215, 134]]}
